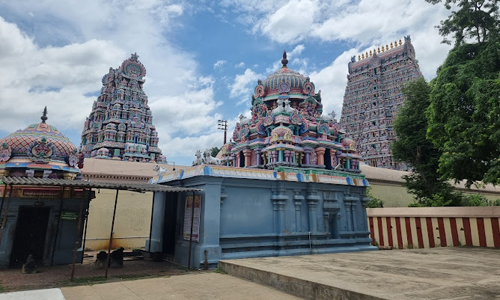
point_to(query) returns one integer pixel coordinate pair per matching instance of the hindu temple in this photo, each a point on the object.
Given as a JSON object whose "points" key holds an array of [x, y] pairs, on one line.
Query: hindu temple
{"points": [[120, 125], [287, 129], [287, 184], [40, 221], [373, 96]]}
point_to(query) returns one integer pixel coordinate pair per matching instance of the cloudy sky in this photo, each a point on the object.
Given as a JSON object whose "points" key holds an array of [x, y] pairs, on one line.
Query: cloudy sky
{"points": [[203, 58]]}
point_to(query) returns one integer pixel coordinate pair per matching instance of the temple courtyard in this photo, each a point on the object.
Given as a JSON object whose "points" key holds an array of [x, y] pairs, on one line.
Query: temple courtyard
{"points": [[438, 273]]}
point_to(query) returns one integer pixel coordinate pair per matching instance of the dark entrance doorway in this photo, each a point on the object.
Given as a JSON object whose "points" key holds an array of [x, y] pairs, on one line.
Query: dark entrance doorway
{"points": [[170, 225], [328, 159], [242, 159], [30, 234]]}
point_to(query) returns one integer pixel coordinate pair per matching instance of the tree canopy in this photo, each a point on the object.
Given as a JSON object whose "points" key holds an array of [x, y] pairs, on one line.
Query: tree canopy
{"points": [[469, 19], [412, 146], [464, 113]]}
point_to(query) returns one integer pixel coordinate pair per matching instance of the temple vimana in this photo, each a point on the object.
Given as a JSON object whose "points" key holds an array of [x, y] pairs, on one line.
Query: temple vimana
{"points": [[120, 125], [373, 96]]}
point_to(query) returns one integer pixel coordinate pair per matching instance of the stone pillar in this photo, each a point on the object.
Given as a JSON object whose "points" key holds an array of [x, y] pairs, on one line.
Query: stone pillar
{"points": [[350, 204], [320, 154], [364, 203], [257, 157], [308, 155], [279, 200], [247, 153], [280, 155], [297, 201], [158, 223], [312, 203]]}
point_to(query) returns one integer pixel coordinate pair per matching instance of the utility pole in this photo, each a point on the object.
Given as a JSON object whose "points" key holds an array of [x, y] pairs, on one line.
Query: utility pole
{"points": [[222, 125]]}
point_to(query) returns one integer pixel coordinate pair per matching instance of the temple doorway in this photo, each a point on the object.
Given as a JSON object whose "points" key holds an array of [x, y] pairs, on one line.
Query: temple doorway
{"points": [[242, 159], [328, 159], [170, 226], [30, 235]]}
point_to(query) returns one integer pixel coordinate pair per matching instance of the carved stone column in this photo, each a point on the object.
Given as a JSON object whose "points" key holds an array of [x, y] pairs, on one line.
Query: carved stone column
{"points": [[279, 200], [247, 153], [257, 157], [297, 201], [312, 203], [350, 204], [320, 154]]}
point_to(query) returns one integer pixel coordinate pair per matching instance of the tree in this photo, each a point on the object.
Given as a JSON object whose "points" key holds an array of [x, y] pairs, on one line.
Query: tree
{"points": [[464, 113], [472, 19], [413, 147], [214, 151]]}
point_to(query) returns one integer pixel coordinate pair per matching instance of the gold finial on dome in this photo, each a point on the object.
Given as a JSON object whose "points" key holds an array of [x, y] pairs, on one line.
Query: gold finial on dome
{"points": [[386, 47], [362, 56], [400, 42], [391, 45], [359, 58], [44, 116], [378, 50]]}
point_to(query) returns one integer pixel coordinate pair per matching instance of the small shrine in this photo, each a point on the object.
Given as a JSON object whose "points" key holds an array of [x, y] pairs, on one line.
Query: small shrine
{"points": [[287, 129], [288, 184], [40, 223], [120, 125]]}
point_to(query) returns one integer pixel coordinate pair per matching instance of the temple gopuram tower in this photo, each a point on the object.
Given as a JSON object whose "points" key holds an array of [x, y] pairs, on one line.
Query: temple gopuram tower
{"points": [[372, 99], [120, 125], [287, 129]]}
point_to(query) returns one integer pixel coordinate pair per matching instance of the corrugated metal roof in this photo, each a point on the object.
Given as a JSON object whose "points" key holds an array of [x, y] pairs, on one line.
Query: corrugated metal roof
{"points": [[137, 187]]}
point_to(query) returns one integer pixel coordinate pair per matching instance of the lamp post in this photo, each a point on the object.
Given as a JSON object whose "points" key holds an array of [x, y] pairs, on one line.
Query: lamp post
{"points": [[222, 125]]}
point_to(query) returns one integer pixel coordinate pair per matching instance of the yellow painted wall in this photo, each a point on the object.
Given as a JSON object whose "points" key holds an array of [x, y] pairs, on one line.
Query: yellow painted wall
{"points": [[133, 215], [391, 195]]}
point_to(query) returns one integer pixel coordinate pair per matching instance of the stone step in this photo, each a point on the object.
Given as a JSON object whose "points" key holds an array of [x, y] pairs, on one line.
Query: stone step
{"points": [[289, 284]]}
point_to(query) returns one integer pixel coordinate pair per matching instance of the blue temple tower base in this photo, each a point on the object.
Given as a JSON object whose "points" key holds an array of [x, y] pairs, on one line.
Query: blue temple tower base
{"points": [[247, 212]]}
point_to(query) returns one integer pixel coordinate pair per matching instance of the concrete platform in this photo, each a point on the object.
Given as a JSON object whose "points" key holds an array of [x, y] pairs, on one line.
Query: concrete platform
{"points": [[437, 273], [203, 286]]}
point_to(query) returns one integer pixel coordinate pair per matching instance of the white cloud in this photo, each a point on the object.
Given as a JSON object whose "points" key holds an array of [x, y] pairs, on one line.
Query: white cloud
{"points": [[362, 23], [291, 22], [240, 65], [71, 47], [242, 85], [219, 64], [332, 81]]}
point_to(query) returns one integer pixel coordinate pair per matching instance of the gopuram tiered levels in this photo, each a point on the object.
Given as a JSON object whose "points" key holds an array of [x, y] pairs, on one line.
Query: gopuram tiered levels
{"points": [[372, 99], [120, 125], [287, 129]]}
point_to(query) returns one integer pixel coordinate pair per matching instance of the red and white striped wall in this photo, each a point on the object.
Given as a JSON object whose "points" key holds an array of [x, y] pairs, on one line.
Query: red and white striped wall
{"points": [[427, 227]]}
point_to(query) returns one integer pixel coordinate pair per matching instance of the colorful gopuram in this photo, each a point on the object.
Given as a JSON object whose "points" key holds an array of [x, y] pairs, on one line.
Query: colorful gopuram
{"points": [[120, 125], [287, 129], [372, 99]]}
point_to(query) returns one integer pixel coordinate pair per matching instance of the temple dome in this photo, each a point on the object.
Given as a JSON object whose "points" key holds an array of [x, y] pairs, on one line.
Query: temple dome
{"points": [[39, 146], [284, 81]]}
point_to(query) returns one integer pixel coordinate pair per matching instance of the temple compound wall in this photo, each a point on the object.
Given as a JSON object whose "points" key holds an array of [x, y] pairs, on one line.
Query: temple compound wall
{"points": [[254, 212], [373, 97]]}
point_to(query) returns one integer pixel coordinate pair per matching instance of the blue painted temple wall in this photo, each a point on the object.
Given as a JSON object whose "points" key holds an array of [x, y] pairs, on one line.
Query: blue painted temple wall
{"points": [[250, 217]]}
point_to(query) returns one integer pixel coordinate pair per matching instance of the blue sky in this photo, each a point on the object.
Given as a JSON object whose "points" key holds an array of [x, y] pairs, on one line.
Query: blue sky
{"points": [[203, 58]]}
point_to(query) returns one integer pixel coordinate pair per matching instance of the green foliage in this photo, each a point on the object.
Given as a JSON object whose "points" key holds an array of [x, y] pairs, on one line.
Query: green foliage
{"points": [[469, 19], [374, 201], [464, 114], [214, 151], [413, 147]]}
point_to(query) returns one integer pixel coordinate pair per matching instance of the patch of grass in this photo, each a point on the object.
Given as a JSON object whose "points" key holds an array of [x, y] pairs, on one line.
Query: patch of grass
{"points": [[84, 281], [220, 271]]}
